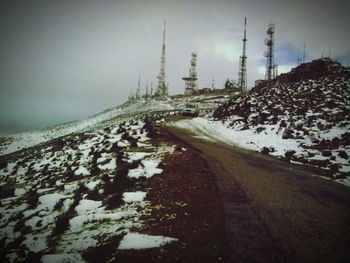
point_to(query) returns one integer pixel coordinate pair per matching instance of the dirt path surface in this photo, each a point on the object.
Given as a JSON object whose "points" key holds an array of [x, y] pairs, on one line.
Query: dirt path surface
{"points": [[275, 211]]}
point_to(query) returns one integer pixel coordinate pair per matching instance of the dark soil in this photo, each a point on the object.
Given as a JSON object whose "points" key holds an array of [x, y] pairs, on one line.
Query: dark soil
{"points": [[186, 205]]}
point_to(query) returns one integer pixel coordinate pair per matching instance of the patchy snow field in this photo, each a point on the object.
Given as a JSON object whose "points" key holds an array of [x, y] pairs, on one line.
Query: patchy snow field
{"points": [[65, 198]]}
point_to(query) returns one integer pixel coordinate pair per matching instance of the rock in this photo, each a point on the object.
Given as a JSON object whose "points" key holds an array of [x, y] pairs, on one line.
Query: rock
{"points": [[260, 129], [335, 167], [265, 150], [6, 191], [335, 142], [283, 124], [289, 154], [346, 138], [326, 153], [287, 134], [343, 154]]}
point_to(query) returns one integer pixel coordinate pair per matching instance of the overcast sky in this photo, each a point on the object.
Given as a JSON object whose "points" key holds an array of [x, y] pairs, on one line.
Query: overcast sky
{"points": [[66, 60]]}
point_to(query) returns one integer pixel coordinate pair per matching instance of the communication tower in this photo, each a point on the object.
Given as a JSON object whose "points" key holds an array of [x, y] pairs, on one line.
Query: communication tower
{"points": [[138, 91], [242, 74], [162, 88], [191, 80], [269, 53]]}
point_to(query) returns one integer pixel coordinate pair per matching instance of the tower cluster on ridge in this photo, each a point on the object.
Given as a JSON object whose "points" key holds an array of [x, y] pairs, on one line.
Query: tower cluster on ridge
{"points": [[161, 92], [191, 81], [137, 95]]}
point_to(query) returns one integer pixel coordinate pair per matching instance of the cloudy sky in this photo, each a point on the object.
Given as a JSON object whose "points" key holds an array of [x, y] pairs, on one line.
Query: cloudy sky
{"points": [[66, 60]]}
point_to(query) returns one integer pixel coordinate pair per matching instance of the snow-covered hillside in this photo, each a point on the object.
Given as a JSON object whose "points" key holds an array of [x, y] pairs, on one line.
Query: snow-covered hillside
{"points": [[16, 142], [303, 116], [13, 143], [69, 190], [62, 200]]}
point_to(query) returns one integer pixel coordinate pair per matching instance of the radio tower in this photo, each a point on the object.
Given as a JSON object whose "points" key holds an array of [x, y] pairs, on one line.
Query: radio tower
{"points": [[242, 74], [138, 91], [162, 89], [269, 53], [191, 80]]}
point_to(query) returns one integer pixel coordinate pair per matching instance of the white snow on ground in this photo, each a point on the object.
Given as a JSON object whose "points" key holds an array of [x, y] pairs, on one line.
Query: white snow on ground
{"points": [[20, 191], [345, 181], [111, 165], [135, 156], [147, 169], [50, 200], [142, 241], [248, 139], [92, 185], [86, 206], [81, 171], [62, 258], [16, 142], [20, 141], [138, 196]]}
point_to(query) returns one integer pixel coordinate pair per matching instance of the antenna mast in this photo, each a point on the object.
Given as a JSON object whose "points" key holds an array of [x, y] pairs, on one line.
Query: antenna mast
{"points": [[138, 88], [147, 91], [269, 54], [191, 80], [242, 74], [162, 88]]}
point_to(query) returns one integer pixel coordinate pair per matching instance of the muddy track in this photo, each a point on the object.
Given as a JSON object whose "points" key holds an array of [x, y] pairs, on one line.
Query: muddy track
{"points": [[275, 211]]}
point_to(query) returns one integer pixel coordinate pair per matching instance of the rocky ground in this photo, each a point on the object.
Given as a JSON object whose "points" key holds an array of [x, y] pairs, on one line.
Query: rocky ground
{"points": [[121, 192], [308, 108]]}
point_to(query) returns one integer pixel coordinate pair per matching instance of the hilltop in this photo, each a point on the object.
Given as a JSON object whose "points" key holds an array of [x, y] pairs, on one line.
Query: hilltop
{"points": [[302, 116]]}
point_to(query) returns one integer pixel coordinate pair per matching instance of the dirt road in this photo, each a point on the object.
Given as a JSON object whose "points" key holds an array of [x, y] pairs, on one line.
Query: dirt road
{"points": [[275, 211]]}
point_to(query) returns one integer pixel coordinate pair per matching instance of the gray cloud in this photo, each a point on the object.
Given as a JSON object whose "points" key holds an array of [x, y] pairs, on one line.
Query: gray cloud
{"points": [[64, 60]]}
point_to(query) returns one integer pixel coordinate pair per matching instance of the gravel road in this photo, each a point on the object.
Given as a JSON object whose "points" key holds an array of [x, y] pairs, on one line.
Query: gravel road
{"points": [[275, 211]]}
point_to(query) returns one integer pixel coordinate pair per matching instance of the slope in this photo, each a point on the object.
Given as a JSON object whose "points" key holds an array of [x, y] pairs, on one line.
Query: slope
{"points": [[302, 116]]}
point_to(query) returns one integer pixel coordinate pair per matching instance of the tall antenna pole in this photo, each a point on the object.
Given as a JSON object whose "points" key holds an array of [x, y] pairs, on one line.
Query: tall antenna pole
{"points": [[329, 51], [242, 74], [269, 54], [147, 91], [138, 88], [304, 53], [162, 89], [191, 81]]}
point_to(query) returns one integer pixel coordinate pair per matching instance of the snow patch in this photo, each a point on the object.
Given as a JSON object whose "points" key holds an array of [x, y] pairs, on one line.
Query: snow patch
{"points": [[62, 258], [142, 241], [138, 196]]}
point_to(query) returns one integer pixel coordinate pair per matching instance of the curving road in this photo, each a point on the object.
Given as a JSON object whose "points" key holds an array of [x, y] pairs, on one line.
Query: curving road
{"points": [[274, 211]]}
